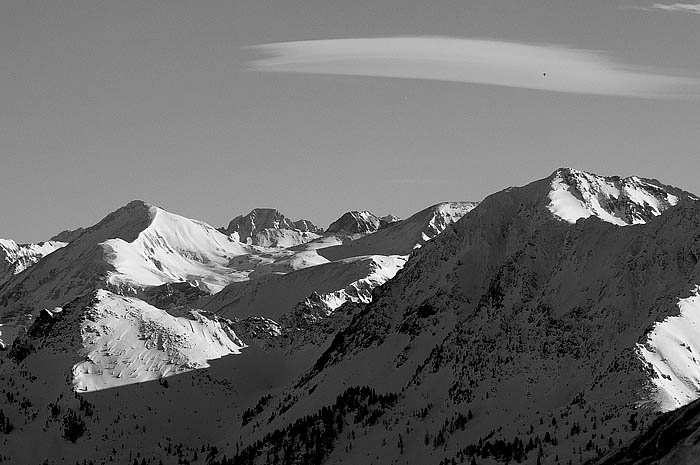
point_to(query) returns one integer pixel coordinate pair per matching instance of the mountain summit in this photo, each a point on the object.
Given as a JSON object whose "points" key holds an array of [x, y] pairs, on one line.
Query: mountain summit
{"points": [[355, 222], [268, 227], [577, 194]]}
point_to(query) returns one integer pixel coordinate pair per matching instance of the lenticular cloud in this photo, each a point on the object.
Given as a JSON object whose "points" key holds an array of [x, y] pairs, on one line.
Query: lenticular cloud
{"points": [[477, 61]]}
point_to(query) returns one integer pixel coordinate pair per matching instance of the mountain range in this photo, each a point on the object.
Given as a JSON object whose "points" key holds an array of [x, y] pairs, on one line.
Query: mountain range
{"points": [[554, 323]]}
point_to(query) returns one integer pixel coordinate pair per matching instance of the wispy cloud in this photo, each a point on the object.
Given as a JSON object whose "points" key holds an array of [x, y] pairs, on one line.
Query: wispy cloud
{"points": [[679, 7], [544, 67]]}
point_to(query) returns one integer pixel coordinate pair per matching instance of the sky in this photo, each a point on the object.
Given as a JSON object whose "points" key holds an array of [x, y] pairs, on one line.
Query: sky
{"points": [[315, 107]]}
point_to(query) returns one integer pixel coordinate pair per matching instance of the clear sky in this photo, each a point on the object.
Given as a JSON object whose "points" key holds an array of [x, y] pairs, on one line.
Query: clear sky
{"points": [[177, 103]]}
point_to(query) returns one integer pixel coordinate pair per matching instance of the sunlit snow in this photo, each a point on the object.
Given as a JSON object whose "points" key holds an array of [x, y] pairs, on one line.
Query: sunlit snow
{"points": [[673, 350], [175, 249], [576, 194], [127, 341]]}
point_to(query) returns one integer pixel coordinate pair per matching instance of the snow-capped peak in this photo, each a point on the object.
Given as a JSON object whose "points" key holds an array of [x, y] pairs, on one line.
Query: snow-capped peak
{"points": [[355, 222], [577, 194], [173, 248]]}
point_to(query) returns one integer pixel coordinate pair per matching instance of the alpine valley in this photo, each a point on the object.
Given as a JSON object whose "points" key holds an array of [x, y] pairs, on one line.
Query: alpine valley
{"points": [[554, 323]]}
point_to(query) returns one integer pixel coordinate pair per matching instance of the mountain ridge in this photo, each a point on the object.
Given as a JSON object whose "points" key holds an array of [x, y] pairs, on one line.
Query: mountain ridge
{"points": [[509, 331]]}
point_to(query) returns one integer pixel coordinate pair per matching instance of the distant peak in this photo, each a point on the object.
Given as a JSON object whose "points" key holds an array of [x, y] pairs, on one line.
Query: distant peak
{"points": [[354, 222], [307, 226], [264, 212], [246, 227], [390, 219]]}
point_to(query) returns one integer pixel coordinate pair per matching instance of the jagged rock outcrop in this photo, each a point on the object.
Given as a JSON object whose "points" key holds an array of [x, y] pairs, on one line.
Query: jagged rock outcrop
{"points": [[355, 222], [268, 227]]}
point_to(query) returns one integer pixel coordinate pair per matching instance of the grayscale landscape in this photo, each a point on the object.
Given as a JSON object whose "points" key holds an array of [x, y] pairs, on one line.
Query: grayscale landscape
{"points": [[306, 233]]}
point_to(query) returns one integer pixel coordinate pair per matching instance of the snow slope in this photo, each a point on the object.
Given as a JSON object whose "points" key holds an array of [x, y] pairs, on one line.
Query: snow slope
{"points": [[174, 249], [577, 194], [135, 247], [381, 269], [273, 295], [78, 267], [125, 341], [673, 351]]}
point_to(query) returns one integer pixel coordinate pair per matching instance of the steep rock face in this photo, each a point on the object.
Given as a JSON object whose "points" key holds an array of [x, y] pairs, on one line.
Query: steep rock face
{"points": [[522, 319], [305, 328], [268, 227], [307, 226], [355, 222], [257, 220], [281, 238], [15, 258], [172, 295], [306, 313]]}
